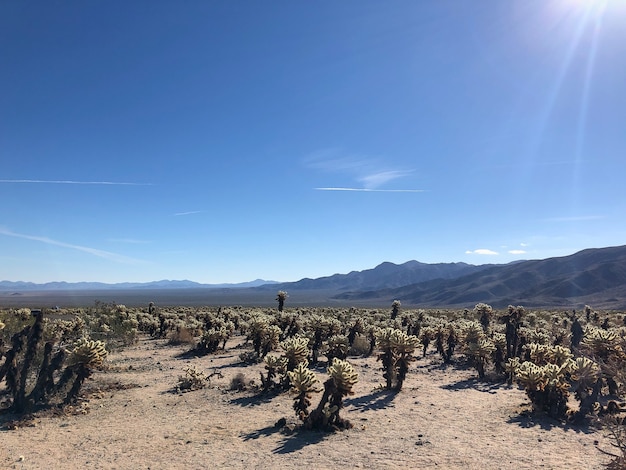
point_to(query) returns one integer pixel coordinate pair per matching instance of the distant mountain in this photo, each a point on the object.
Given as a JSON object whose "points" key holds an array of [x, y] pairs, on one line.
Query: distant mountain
{"points": [[10, 286], [385, 275], [593, 276]]}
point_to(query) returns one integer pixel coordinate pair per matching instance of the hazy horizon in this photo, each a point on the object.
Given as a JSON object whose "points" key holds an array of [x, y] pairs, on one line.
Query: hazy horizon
{"points": [[227, 142]]}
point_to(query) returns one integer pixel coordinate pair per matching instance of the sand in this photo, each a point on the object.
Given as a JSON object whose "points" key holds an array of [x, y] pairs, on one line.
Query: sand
{"points": [[131, 417]]}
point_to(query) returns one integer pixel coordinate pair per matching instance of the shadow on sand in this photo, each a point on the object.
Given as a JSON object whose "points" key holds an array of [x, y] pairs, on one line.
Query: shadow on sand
{"points": [[476, 384], [257, 399], [376, 400], [291, 443], [528, 419]]}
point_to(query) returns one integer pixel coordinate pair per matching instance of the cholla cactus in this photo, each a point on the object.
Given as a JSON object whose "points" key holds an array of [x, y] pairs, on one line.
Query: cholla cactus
{"points": [[396, 354], [337, 347], [326, 415], [542, 354], [193, 379], [281, 297], [211, 339], [480, 352], [89, 353], [296, 350], [303, 381], [484, 312], [395, 309], [546, 386], [344, 376], [584, 371], [275, 365]]}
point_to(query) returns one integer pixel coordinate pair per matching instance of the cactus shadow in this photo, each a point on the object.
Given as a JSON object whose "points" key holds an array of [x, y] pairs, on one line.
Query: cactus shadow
{"points": [[528, 419], [257, 399], [376, 400], [476, 384], [298, 441]]}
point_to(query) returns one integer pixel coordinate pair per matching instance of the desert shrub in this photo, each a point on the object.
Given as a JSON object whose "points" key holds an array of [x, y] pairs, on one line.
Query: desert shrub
{"points": [[615, 429], [182, 335], [360, 346], [193, 379], [238, 382]]}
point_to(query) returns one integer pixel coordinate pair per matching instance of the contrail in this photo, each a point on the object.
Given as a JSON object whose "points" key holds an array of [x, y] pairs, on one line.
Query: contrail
{"points": [[93, 251], [76, 182], [187, 213], [366, 190]]}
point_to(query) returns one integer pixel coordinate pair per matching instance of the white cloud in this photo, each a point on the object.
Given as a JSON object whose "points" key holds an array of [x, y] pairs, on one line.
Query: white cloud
{"points": [[481, 251], [85, 249], [114, 183], [517, 252], [523, 244]]}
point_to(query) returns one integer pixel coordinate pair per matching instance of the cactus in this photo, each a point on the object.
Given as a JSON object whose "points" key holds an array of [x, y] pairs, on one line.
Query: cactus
{"points": [[89, 353], [480, 352], [30, 376], [396, 355], [303, 382], [395, 309], [337, 347], [546, 386], [193, 379], [296, 350], [275, 366], [326, 415], [281, 297], [485, 312]]}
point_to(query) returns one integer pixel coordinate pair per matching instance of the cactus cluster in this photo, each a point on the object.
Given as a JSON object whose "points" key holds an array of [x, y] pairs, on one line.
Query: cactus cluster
{"points": [[34, 378], [396, 355], [326, 415]]}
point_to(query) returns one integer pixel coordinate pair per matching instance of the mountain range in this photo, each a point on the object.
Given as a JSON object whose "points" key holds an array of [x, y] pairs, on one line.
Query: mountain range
{"points": [[594, 276]]}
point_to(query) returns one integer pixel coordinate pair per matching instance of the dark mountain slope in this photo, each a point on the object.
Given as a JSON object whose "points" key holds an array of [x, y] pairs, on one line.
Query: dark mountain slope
{"points": [[385, 275], [593, 275]]}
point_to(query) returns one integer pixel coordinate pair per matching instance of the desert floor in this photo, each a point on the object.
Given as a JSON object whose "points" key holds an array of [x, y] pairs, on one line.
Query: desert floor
{"points": [[131, 417]]}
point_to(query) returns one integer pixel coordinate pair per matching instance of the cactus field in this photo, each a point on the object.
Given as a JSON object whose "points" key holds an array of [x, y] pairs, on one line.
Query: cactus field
{"points": [[176, 387]]}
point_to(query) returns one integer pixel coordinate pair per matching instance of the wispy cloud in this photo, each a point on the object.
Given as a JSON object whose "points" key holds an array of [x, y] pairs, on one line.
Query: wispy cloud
{"points": [[112, 183], [517, 252], [370, 172], [85, 249], [481, 251], [367, 190], [187, 213], [374, 180]]}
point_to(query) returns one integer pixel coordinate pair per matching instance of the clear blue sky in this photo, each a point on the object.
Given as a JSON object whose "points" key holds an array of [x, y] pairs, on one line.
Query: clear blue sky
{"points": [[215, 141]]}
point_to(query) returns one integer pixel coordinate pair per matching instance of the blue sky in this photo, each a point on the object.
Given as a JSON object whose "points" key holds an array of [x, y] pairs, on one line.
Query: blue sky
{"points": [[229, 141]]}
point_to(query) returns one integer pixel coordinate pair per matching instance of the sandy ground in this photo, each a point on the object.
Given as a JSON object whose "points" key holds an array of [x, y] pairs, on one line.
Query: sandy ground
{"points": [[443, 418]]}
